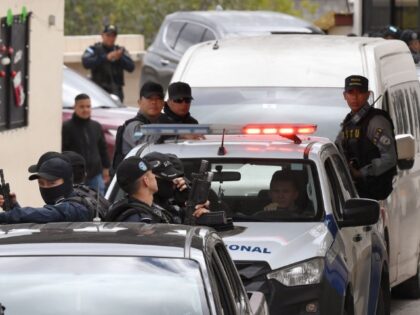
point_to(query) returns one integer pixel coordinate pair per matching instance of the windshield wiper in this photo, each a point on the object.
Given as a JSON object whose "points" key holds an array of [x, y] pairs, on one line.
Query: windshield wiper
{"points": [[105, 106]]}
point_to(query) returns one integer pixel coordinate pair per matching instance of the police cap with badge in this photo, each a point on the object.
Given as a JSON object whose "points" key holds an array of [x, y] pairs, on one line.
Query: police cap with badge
{"points": [[130, 170], [356, 82]]}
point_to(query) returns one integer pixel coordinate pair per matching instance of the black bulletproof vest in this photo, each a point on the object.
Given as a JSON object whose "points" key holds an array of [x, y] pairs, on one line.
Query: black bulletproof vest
{"points": [[361, 151], [123, 209], [108, 75]]}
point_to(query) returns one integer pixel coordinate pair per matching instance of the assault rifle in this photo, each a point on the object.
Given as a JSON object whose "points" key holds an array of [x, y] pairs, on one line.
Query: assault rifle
{"points": [[5, 191], [199, 193]]}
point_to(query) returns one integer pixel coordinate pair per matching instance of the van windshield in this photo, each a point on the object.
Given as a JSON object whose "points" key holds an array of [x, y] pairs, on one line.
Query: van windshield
{"points": [[325, 107]]}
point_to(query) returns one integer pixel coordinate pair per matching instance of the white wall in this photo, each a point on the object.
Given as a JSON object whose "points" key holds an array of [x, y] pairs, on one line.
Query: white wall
{"points": [[22, 147]]}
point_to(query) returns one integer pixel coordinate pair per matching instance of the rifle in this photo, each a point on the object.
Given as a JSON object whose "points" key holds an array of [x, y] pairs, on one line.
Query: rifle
{"points": [[5, 191], [199, 194]]}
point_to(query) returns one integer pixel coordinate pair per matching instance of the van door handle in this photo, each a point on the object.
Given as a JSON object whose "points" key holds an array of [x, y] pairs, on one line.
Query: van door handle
{"points": [[357, 238], [164, 62]]}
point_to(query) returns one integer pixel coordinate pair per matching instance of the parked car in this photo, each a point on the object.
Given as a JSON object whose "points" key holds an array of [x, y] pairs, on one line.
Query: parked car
{"points": [[180, 30], [287, 81], [119, 268], [107, 110], [327, 255]]}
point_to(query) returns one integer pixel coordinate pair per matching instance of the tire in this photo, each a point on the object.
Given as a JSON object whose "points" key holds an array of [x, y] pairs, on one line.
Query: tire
{"points": [[348, 304], [409, 288], [383, 305]]}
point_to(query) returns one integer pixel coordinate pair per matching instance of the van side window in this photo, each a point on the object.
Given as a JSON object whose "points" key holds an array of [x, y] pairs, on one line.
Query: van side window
{"points": [[191, 34], [172, 33]]}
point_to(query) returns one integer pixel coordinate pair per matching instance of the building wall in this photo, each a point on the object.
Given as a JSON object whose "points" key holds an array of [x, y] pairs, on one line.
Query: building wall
{"points": [[22, 147]]}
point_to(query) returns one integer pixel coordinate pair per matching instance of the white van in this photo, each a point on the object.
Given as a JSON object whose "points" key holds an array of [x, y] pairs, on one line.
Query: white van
{"points": [[299, 78]]}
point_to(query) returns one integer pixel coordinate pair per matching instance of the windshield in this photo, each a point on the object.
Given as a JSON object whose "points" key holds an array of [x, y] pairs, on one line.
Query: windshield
{"points": [[101, 285], [263, 190], [325, 107], [74, 84]]}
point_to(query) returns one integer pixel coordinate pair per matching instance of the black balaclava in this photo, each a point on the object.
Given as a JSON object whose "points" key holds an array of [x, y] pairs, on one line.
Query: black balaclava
{"points": [[54, 194]]}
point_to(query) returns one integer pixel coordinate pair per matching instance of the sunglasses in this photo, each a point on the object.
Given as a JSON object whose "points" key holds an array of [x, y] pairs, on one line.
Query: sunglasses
{"points": [[182, 100]]}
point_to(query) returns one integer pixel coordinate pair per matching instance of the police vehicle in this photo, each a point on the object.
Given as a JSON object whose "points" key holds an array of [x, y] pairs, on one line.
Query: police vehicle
{"points": [[327, 257], [119, 268]]}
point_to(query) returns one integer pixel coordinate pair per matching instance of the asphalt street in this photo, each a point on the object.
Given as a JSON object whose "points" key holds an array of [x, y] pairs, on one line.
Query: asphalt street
{"points": [[405, 307]]}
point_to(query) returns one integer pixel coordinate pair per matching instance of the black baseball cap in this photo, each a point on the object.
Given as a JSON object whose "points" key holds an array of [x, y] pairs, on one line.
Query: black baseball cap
{"points": [[46, 156], [356, 82], [151, 89], [162, 166], [130, 170], [408, 35], [179, 90], [53, 169], [75, 158], [110, 29]]}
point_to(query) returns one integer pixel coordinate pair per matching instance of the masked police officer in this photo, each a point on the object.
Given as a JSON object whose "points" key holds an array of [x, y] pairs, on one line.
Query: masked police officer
{"points": [[367, 141], [108, 61], [54, 175]]}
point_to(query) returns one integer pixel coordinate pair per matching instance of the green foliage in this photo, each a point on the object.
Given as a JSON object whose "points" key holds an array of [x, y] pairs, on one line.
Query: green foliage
{"points": [[86, 17]]}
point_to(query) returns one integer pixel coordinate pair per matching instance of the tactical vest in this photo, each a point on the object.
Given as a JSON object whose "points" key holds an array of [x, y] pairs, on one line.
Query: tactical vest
{"points": [[124, 208], [94, 202], [361, 151], [108, 75]]}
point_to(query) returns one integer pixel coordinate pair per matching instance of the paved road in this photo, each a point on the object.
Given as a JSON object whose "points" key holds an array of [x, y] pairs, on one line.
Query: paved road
{"points": [[405, 307]]}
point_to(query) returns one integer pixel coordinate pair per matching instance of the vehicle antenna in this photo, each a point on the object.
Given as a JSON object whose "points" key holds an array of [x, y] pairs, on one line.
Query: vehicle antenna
{"points": [[376, 100], [222, 149], [216, 45], [97, 219]]}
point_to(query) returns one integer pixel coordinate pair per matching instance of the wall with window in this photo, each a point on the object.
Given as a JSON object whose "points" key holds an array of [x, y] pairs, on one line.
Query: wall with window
{"points": [[22, 146]]}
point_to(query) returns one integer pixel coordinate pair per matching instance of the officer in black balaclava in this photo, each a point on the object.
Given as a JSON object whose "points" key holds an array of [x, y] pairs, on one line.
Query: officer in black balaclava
{"points": [[55, 180], [173, 188]]}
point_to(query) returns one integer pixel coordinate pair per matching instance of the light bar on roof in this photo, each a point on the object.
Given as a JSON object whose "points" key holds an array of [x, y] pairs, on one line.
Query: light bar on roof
{"points": [[218, 129]]}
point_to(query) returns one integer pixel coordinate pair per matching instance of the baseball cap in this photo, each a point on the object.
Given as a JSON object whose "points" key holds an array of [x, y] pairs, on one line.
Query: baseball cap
{"points": [[75, 158], [162, 166], [408, 35], [130, 170], [54, 168], [178, 90], [356, 82], [46, 156], [151, 89], [110, 29]]}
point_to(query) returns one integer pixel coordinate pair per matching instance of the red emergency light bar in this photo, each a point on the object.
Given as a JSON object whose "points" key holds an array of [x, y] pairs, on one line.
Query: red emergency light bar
{"points": [[279, 129]]}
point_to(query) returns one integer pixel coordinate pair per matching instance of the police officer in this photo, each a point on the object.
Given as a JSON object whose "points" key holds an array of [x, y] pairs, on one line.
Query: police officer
{"points": [[173, 188], [367, 141], [129, 135], [108, 61], [135, 177], [54, 176], [410, 38], [177, 108]]}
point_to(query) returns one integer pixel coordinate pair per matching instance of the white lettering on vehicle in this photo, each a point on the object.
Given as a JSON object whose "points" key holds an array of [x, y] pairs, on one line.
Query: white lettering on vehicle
{"points": [[248, 248]]}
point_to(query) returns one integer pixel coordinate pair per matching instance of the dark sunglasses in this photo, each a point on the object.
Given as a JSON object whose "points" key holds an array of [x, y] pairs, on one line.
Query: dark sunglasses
{"points": [[182, 100]]}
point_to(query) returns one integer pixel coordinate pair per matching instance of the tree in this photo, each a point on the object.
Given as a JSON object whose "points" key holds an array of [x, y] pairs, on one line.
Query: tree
{"points": [[144, 17]]}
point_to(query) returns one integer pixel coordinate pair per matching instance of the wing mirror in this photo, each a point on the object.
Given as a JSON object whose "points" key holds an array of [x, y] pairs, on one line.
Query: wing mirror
{"points": [[406, 149], [360, 212]]}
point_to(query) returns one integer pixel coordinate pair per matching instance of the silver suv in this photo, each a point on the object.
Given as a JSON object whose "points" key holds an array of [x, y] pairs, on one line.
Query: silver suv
{"points": [[180, 30]]}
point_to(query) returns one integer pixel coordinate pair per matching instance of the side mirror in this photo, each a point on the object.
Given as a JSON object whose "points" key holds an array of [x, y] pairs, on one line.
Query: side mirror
{"points": [[116, 99], [406, 149], [360, 212], [258, 303]]}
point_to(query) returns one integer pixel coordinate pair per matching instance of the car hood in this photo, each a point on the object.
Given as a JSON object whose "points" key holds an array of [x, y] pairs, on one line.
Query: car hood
{"points": [[279, 243], [327, 118]]}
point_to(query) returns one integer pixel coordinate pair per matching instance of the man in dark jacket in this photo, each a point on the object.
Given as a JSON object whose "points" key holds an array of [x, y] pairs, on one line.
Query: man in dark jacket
{"points": [[107, 62], [54, 175], [135, 177], [85, 136], [177, 109], [367, 141]]}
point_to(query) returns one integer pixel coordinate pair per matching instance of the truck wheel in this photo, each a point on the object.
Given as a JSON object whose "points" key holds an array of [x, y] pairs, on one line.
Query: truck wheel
{"points": [[383, 306], [348, 305], [411, 287]]}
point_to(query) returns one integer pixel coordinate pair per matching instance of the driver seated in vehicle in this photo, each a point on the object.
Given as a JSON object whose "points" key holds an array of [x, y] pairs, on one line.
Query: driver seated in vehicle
{"points": [[284, 194]]}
